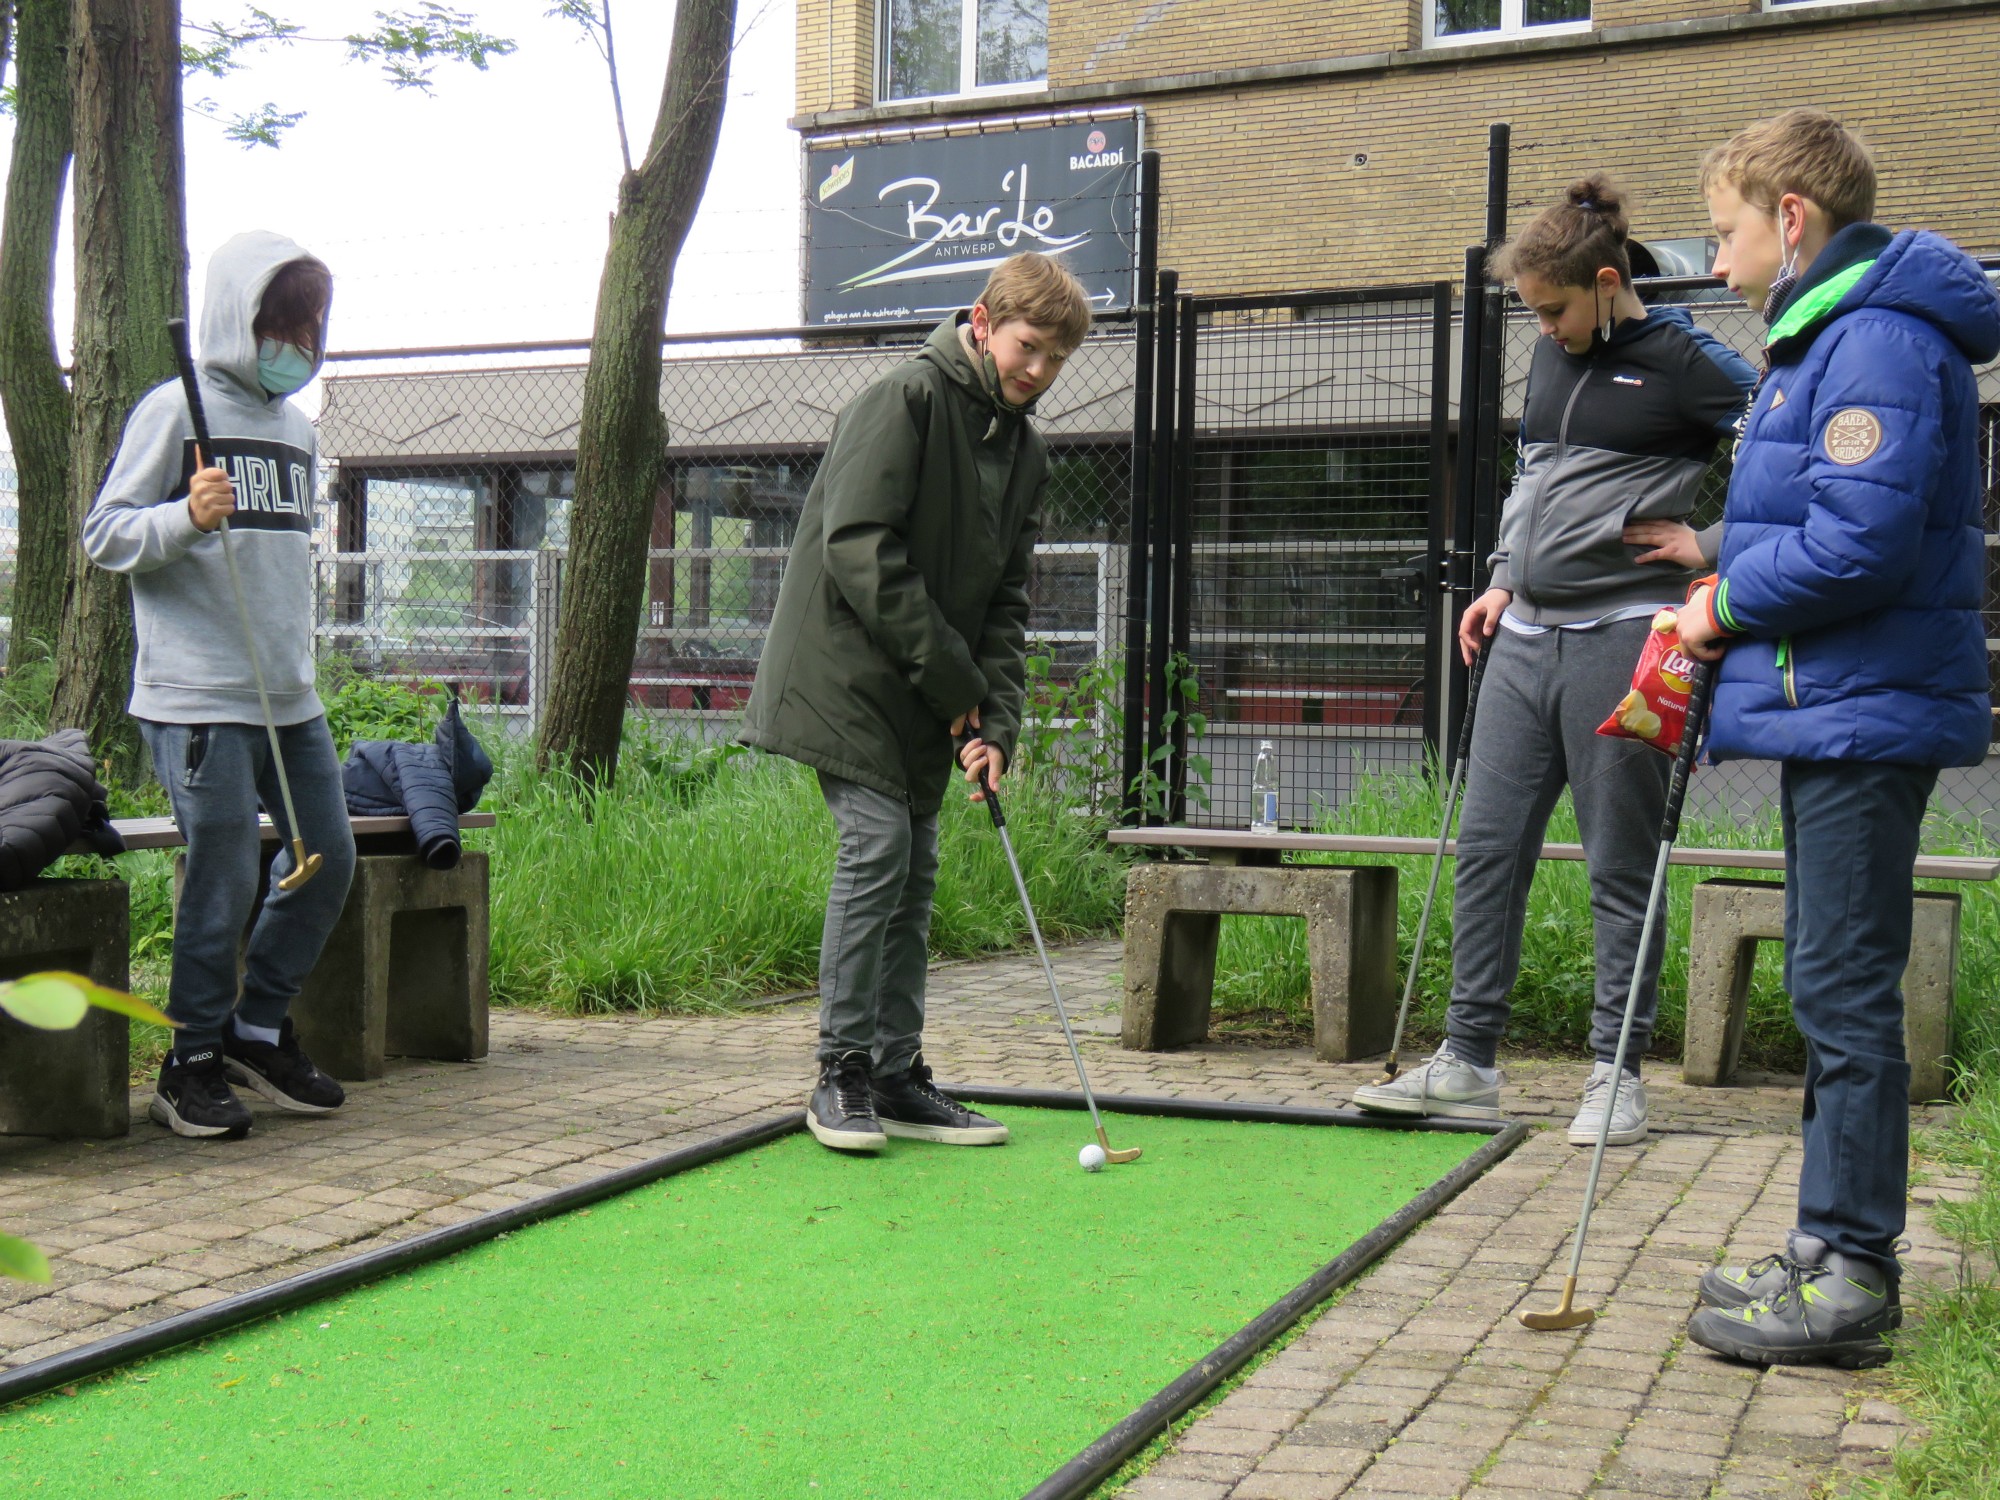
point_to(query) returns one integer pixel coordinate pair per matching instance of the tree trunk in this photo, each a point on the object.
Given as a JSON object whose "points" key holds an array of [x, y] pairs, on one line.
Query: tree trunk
{"points": [[31, 380], [131, 276], [622, 437]]}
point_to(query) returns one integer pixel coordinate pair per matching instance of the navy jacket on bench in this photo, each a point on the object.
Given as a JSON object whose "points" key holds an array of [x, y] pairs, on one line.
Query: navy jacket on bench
{"points": [[429, 784]]}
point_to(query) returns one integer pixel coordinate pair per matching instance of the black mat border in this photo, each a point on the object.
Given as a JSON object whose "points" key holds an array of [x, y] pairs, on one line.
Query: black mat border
{"points": [[1074, 1480]]}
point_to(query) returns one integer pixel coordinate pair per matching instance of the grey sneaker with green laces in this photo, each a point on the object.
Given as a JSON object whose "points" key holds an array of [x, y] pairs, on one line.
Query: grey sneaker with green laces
{"points": [[1834, 1313], [1761, 1280], [1444, 1085]]}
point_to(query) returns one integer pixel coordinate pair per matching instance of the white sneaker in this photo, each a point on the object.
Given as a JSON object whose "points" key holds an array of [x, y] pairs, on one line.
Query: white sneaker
{"points": [[1445, 1085], [1628, 1118]]}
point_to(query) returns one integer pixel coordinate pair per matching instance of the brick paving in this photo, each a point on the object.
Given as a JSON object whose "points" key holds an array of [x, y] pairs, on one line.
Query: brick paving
{"points": [[1418, 1383]]}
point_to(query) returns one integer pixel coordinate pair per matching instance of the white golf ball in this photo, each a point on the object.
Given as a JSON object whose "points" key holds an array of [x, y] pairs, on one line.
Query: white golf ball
{"points": [[1091, 1158]]}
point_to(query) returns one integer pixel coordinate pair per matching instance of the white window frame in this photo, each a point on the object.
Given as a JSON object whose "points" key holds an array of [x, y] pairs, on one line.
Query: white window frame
{"points": [[968, 62], [1781, 6], [1510, 28]]}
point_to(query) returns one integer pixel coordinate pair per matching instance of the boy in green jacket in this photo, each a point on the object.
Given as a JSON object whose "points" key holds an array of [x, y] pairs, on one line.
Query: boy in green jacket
{"points": [[902, 621]]}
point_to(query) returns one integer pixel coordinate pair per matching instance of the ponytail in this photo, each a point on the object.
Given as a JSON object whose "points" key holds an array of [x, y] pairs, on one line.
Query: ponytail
{"points": [[1568, 243]]}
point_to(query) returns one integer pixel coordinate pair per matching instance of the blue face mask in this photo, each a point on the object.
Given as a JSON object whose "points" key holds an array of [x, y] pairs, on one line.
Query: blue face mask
{"points": [[282, 368]]}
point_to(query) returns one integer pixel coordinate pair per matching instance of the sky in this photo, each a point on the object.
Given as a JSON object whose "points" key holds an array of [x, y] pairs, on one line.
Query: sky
{"points": [[480, 213]]}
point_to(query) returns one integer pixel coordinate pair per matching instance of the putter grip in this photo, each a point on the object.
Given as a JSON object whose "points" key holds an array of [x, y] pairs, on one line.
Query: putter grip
{"points": [[1700, 689], [1477, 671], [986, 786], [177, 331]]}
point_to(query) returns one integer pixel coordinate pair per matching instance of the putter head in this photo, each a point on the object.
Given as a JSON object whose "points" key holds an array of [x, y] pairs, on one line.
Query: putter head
{"points": [[1389, 1073], [304, 867], [1566, 1316], [1130, 1153]]}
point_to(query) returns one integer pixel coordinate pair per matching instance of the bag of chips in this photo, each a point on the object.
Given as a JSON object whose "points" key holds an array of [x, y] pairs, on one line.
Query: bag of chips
{"points": [[1656, 709]]}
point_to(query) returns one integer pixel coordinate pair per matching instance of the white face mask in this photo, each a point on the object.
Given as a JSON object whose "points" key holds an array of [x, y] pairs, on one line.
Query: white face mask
{"points": [[283, 368], [1788, 275]]}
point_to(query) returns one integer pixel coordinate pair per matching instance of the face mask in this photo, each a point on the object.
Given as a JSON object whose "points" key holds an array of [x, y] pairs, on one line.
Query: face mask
{"points": [[1788, 278], [282, 368]]}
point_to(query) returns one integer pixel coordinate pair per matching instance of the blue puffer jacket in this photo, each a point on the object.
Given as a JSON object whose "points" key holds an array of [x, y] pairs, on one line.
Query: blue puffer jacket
{"points": [[428, 784], [1853, 547]]}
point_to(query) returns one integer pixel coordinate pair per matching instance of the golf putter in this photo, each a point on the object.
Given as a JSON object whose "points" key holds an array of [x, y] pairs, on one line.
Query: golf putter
{"points": [[1568, 1315], [1437, 859], [1130, 1153], [304, 865]]}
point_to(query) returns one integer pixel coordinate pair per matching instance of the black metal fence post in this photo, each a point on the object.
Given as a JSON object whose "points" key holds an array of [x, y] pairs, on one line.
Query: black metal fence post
{"points": [[1462, 565], [1166, 453], [1183, 548], [1133, 750], [1436, 579]]}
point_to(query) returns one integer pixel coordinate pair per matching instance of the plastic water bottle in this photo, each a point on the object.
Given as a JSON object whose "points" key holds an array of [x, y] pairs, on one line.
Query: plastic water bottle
{"points": [[1264, 790]]}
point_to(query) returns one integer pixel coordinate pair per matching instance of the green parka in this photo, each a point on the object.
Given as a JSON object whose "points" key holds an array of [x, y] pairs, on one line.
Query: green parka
{"points": [[905, 599]]}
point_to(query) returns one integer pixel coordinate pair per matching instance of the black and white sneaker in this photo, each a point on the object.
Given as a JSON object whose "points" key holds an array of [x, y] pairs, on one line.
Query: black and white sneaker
{"points": [[281, 1073], [840, 1113], [908, 1104], [193, 1098]]}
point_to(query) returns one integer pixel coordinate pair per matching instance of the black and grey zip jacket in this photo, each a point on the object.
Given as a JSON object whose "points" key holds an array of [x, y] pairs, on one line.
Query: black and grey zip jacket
{"points": [[1620, 434]]}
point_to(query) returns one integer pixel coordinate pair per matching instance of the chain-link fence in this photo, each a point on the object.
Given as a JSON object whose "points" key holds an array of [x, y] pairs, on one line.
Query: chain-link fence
{"points": [[450, 481], [1311, 453], [1748, 790]]}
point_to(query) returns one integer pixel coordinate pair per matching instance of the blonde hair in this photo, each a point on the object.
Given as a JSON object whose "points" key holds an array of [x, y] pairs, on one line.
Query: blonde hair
{"points": [[1038, 290], [1803, 151], [1568, 243]]}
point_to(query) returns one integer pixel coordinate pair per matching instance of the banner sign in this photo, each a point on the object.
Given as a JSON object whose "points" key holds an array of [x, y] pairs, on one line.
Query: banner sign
{"points": [[903, 228]]}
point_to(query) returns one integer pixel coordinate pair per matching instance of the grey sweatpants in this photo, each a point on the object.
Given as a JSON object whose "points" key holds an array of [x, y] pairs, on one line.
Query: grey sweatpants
{"points": [[874, 949], [1535, 731]]}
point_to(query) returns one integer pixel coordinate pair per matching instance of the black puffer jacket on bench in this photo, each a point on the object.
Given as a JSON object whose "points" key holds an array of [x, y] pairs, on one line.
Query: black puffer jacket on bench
{"points": [[428, 784], [49, 799]]}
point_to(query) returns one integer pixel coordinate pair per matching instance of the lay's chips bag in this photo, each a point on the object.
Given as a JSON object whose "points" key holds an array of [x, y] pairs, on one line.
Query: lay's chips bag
{"points": [[1656, 709]]}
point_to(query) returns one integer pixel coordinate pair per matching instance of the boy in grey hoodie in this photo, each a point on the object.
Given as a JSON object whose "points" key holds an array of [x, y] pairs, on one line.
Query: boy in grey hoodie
{"points": [[156, 519]]}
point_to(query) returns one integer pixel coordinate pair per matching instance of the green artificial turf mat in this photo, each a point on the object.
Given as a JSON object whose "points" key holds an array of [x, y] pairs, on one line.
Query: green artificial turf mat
{"points": [[936, 1322]]}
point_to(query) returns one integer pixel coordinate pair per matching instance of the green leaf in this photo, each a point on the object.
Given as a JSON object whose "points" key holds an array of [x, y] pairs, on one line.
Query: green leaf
{"points": [[44, 1000], [95, 994], [23, 1261]]}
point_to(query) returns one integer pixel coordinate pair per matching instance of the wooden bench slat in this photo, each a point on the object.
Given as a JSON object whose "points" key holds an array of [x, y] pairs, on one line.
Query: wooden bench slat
{"points": [[1928, 867], [160, 833]]}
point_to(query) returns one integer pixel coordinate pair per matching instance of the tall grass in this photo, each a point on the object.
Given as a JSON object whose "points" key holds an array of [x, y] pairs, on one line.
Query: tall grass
{"points": [[688, 888], [1262, 963]]}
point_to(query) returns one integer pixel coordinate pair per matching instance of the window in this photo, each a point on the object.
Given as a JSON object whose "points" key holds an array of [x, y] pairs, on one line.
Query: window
{"points": [[933, 47], [1449, 22]]}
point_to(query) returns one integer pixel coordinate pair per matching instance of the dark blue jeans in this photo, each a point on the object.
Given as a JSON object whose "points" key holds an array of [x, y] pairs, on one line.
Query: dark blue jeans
{"points": [[215, 775], [1851, 832]]}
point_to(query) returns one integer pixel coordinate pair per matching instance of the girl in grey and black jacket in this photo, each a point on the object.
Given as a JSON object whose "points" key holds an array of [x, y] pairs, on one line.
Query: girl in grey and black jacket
{"points": [[1625, 405]]}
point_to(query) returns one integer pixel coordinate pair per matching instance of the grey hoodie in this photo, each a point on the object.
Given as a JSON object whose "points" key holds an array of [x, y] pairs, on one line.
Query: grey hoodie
{"points": [[192, 667]]}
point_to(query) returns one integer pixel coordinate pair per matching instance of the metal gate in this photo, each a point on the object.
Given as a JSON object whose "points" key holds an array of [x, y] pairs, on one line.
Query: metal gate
{"points": [[1290, 556]]}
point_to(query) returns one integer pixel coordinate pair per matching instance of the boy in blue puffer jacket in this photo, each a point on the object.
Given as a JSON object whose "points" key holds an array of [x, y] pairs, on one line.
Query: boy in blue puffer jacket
{"points": [[1849, 601]]}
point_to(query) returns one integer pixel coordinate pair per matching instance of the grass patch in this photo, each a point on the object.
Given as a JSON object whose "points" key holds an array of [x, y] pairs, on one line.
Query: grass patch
{"points": [[685, 889], [1261, 967]]}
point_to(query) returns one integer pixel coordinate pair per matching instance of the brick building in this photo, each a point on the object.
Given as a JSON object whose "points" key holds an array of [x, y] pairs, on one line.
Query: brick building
{"points": [[1308, 143]]}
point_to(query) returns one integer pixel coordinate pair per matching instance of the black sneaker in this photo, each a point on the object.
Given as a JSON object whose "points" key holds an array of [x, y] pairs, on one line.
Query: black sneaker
{"points": [[840, 1113], [908, 1104], [1833, 1313], [194, 1098], [281, 1073]]}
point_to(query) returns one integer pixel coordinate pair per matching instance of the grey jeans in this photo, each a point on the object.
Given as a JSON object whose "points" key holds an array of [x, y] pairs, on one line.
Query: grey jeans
{"points": [[874, 951], [1539, 707], [215, 775]]}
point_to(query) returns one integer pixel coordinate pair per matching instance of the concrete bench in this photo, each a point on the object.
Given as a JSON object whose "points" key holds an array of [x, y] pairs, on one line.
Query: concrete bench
{"points": [[1173, 911], [403, 974], [1732, 916]]}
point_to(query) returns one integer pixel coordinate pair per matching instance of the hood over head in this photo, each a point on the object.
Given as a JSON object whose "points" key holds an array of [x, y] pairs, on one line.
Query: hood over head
{"points": [[238, 273]]}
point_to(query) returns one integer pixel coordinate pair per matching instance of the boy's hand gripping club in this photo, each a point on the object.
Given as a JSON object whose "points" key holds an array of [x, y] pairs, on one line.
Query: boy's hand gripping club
{"points": [[304, 865], [1130, 1153]]}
